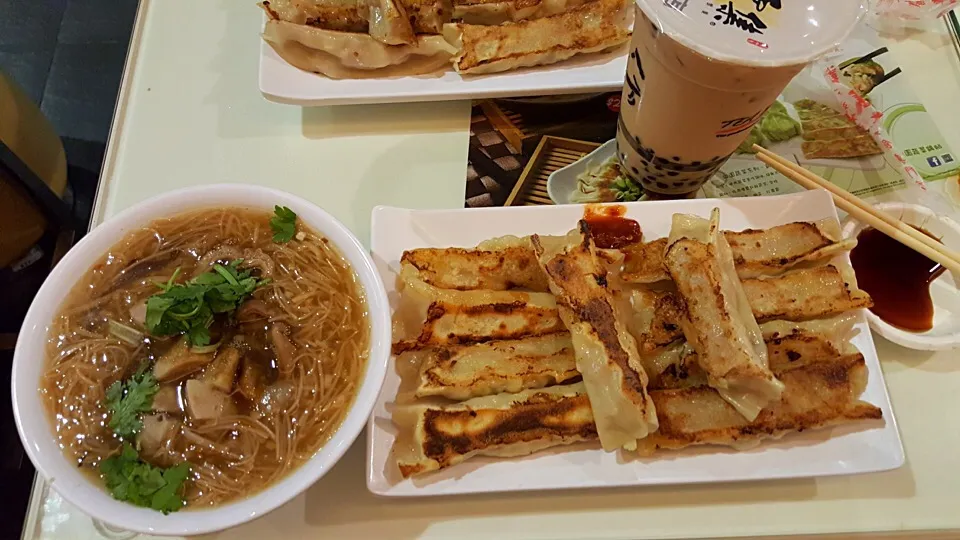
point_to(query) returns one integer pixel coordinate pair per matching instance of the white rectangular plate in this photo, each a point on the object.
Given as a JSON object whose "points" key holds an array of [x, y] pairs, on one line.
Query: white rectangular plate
{"points": [[281, 82], [858, 448]]}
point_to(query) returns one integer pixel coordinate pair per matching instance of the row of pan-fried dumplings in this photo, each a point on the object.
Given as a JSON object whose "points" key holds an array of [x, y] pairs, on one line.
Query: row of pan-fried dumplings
{"points": [[345, 39], [705, 337]]}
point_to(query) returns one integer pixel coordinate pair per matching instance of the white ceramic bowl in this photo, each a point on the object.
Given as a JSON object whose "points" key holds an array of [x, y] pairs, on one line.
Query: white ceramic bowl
{"points": [[29, 362], [945, 333]]}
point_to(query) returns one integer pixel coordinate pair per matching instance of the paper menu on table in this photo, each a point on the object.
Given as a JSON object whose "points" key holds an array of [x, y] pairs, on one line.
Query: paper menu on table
{"points": [[862, 80], [516, 144]]}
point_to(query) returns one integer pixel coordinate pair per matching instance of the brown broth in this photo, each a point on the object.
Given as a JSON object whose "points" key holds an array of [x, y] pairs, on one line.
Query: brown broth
{"points": [[314, 294], [897, 278]]}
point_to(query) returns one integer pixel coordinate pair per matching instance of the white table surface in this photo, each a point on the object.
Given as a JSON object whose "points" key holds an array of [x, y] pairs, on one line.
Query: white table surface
{"points": [[189, 112]]}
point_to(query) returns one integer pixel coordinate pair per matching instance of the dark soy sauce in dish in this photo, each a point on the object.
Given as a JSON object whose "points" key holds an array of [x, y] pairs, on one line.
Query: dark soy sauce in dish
{"points": [[898, 278]]}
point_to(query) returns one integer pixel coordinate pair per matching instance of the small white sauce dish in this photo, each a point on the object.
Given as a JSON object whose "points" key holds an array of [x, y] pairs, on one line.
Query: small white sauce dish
{"points": [[30, 362], [563, 182], [945, 333]]}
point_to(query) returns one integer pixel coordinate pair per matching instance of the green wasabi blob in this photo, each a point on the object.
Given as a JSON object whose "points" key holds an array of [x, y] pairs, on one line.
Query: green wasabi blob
{"points": [[777, 124], [755, 137]]}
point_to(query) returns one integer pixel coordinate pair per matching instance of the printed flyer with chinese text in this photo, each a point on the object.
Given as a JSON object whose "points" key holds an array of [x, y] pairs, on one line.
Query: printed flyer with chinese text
{"points": [[560, 149]]}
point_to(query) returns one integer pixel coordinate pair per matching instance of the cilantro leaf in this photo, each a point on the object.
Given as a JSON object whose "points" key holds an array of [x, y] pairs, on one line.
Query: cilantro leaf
{"points": [[283, 224], [189, 308], [156, 307], [128, 400], [130, 479], [167, 499], [198, 336]]}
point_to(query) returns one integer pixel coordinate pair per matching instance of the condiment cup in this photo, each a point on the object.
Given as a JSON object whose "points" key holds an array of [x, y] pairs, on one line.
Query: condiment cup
{"points": [[945, 333], [30, 361]]}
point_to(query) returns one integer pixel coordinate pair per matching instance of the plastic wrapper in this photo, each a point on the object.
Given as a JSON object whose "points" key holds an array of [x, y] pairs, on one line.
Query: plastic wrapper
{"points": [[866, 115], [910, 10]]}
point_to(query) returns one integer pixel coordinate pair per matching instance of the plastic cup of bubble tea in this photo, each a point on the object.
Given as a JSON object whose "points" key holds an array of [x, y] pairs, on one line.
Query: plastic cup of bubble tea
{"points": [[701, 73]]}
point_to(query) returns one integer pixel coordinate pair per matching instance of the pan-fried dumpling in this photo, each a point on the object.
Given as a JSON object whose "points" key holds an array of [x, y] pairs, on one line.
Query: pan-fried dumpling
{"points": [[719, 324], [340, 15], [432, 437], [756, 253], [594, 27], [815, 396], [462, 372], [428, 16], [772, 251], [505, 242], [390, 21], [494, 12], [655, 321], [499, 265], [390, 24], [808, 293], [799, 295], [796, 343], [428, 316], [341, 55], [789, 345], [606, 353]]}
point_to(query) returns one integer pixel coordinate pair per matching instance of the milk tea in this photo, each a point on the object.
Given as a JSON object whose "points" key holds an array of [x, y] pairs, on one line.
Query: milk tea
{"points": [[684, 112]]}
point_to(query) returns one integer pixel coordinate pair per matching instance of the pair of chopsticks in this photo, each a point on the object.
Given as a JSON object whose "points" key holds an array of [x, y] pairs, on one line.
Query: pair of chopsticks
{"points": [[865, 58], [863, 212]]}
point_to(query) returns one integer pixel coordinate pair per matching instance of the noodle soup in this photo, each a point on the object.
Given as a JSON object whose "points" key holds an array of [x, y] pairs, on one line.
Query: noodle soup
{"points": [[205, 357]]}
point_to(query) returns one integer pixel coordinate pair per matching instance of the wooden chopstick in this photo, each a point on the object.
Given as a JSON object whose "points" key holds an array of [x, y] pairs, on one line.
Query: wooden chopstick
{"points": [[836, 191], [863, 212]]}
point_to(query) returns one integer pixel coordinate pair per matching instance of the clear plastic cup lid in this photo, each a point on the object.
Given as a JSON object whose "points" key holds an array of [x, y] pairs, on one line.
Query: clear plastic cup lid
{"points": [[756, 32]]}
